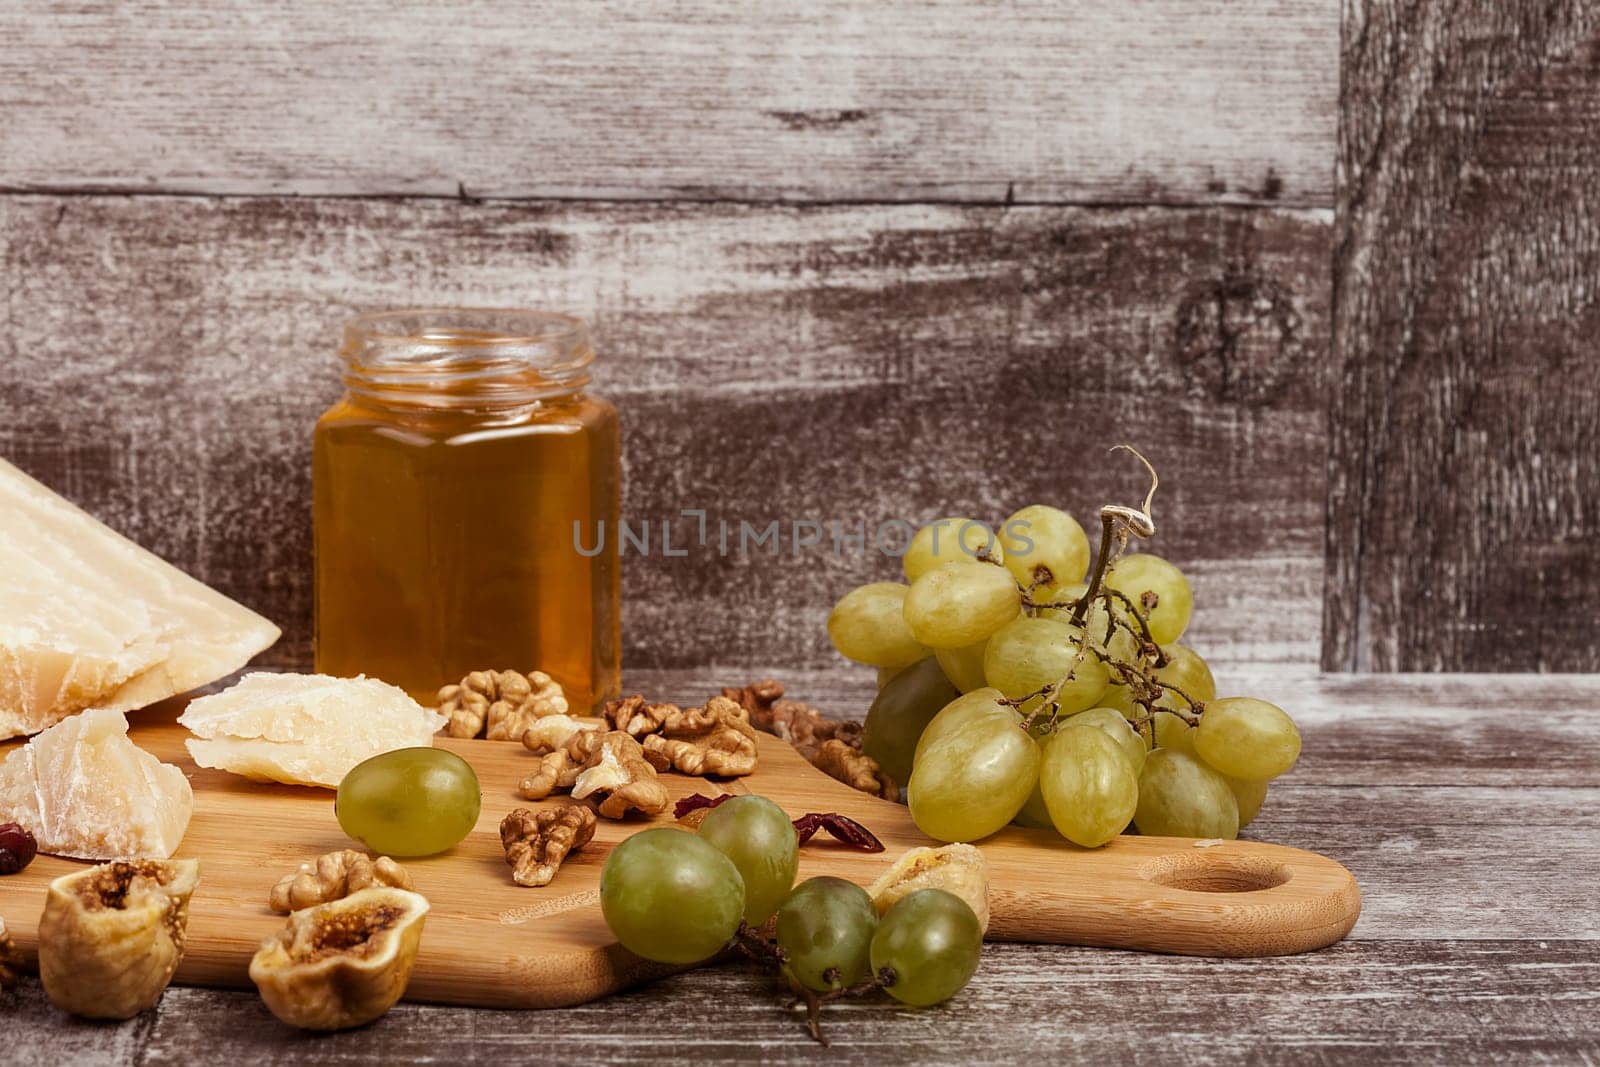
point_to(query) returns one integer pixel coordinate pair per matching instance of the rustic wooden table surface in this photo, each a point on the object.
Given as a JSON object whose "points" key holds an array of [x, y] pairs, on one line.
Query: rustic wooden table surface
{"points": [[1465, 804]]}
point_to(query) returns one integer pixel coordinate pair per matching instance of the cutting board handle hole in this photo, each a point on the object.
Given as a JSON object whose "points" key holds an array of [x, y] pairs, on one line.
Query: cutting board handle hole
{"points": [[1206, 872]]}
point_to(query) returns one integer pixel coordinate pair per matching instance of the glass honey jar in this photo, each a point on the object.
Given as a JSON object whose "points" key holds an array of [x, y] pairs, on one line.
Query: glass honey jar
{"points": [[460, 488]]}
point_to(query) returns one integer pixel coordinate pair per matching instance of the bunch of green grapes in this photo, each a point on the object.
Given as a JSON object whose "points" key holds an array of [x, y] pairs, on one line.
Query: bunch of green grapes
{"points": [[677, 897], [1016, 686]]}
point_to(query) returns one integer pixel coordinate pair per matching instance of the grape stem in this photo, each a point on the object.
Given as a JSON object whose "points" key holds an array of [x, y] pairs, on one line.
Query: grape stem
{"points": [[1132, 520], [814, 1001], [766, 951], [1144, 624], [1081, 610]]}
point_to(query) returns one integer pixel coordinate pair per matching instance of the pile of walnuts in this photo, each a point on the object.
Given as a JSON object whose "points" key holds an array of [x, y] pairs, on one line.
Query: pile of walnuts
{"points": [[832, 745]]}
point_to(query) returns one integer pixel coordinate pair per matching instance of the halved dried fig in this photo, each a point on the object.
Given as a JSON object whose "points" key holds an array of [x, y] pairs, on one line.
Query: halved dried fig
{"points": [[958, 869], [9, 960], [112, 935], [343, 963]]}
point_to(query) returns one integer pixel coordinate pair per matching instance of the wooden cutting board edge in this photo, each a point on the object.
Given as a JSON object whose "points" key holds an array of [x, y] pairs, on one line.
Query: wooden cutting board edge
{"points": [[548, 948]]}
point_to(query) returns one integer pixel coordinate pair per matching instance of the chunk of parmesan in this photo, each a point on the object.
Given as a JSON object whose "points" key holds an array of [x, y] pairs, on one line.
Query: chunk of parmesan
{"points": [[86, 791], [90, 619], [304, 729]]}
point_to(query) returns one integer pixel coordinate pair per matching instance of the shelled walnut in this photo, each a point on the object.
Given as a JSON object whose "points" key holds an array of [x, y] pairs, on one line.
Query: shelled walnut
{"points": [[335, 875], [499, 705], [610, 765], [536, 842], [831, 745], [855, 769], [716, 739]]}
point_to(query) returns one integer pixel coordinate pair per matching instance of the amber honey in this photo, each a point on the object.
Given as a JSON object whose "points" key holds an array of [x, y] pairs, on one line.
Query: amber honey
{"points": [[460, 485]]}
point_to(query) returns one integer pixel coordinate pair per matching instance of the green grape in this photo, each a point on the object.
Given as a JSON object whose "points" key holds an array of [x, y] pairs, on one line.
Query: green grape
{"points": [[1173, 733], [886, 675], [759, 838], [960, 604], [1046, 545], [409, 801], [948, 541], [1133, 576], [1119, 729], [1120, 698], [931, 940], [825, 925], [1249, 796], [868, 625], [901, 712], [1179, 796], [1035, 812], [671, 897], [1028, 654], [963, 666], [1089, 787], [1247, 738], [1186, 670], [973, 769]]}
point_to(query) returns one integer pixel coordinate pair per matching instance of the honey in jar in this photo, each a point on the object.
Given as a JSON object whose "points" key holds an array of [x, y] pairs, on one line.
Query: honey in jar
{"points": [[466, 496]]}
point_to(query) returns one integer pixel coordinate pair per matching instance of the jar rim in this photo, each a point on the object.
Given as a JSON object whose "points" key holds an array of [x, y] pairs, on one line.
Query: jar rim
{"points": [[465, 356], [466, 325]]}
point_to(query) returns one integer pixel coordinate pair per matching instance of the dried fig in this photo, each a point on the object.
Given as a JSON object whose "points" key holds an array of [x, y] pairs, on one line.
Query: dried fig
{"points": [[958, 869], [343, 963], [111, 936]]}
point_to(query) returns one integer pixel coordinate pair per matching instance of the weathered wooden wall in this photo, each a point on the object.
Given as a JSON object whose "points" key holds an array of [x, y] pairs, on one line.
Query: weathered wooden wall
{"points": [[168, 356], [1464, 503], [985, 244], [1044, 101], [880, 262]]}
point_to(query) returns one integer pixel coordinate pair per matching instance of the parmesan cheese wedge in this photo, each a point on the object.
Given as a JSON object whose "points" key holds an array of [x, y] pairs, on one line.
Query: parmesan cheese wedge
{"points": [[304, 729], [90, 619], [84, 790]]}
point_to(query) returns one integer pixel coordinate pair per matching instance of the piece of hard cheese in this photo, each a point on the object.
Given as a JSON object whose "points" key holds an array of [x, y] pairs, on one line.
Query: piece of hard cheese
{"points": [[90, 619], [304, 729], [84, 790]]}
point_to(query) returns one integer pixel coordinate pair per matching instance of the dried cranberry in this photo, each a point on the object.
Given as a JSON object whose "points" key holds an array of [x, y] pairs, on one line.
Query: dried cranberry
{"points": [[17, 848], [839, 826], [698, 801]]}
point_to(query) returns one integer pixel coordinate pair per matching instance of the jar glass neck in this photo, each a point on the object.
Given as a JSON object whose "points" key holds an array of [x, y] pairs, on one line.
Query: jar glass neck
{"points": [[465, 358]]}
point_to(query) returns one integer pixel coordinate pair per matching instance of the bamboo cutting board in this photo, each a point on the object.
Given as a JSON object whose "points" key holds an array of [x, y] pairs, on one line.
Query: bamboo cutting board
{"points": [[491, 943]]}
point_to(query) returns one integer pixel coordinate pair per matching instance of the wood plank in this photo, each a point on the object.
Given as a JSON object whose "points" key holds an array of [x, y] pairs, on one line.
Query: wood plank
{"points": [[1036, 101], [168, 356], [1462, 503], [1400, 1002], [1399, 731]]}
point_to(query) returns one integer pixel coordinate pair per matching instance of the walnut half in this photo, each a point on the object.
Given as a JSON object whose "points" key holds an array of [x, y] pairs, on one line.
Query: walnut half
{"points": [[536, 842], [335, 875], [111, 936], [716, 739], [609, 766]]}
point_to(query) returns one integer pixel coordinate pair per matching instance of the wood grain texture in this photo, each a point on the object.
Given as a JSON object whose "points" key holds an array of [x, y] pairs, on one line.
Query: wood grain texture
{"points": [[1464, 497], [1036, 101], [1479, 942], [166, 358]]}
